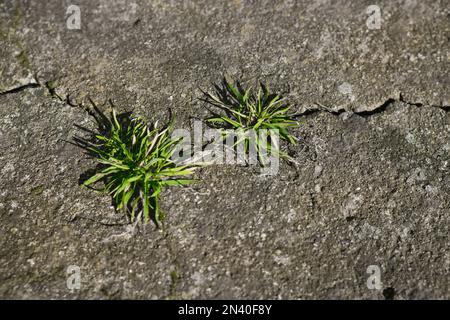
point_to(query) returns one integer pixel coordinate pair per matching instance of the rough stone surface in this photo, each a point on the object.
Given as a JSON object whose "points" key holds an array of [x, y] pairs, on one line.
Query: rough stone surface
{"points": [[370, 185]]}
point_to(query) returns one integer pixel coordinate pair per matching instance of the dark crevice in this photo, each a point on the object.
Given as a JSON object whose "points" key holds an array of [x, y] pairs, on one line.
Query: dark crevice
{"points": [[52, 92], [380, 109], [444, 108], [307, 112], [416, 104], [21, 88], [318, 109]]}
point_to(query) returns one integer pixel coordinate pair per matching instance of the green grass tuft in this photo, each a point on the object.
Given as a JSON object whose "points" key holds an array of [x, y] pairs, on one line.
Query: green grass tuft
{"points": [[242, 110], [136, 165]]}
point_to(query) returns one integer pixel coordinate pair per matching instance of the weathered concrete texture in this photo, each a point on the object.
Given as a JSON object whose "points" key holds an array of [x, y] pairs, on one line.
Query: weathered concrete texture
{"points": [[368, 188], [161, 52], [15, 66]]}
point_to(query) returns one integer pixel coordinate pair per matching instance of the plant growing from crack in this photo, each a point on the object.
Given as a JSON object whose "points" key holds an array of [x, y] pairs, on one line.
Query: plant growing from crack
{"points": [[135, 164], [242, 111]]}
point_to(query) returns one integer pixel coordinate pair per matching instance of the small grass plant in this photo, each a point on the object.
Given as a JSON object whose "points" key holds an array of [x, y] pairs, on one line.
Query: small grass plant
{"points": [[136, 166], [242, 110]]}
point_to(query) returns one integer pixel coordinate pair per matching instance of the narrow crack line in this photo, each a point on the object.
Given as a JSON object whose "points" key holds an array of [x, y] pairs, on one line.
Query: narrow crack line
{"points": [[21, 88], [367, 113], [318, 109], [416, 104], [380, 109], [50, 91], [444, 108]]}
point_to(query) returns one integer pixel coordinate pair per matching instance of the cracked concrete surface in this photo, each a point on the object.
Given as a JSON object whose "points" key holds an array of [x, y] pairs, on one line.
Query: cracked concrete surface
{"points": [[370, 185]]}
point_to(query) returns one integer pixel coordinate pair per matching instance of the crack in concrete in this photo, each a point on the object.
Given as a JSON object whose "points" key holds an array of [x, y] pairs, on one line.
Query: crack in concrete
{"points": [[320, 107], [367, 113], [30, 85]]}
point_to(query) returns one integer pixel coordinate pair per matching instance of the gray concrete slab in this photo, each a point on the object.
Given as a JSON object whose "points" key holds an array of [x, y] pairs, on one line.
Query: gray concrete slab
{"points": [[370, 185]]}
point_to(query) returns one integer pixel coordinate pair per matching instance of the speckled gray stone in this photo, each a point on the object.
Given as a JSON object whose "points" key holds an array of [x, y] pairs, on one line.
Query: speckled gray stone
{"points": [[370, 185]]}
